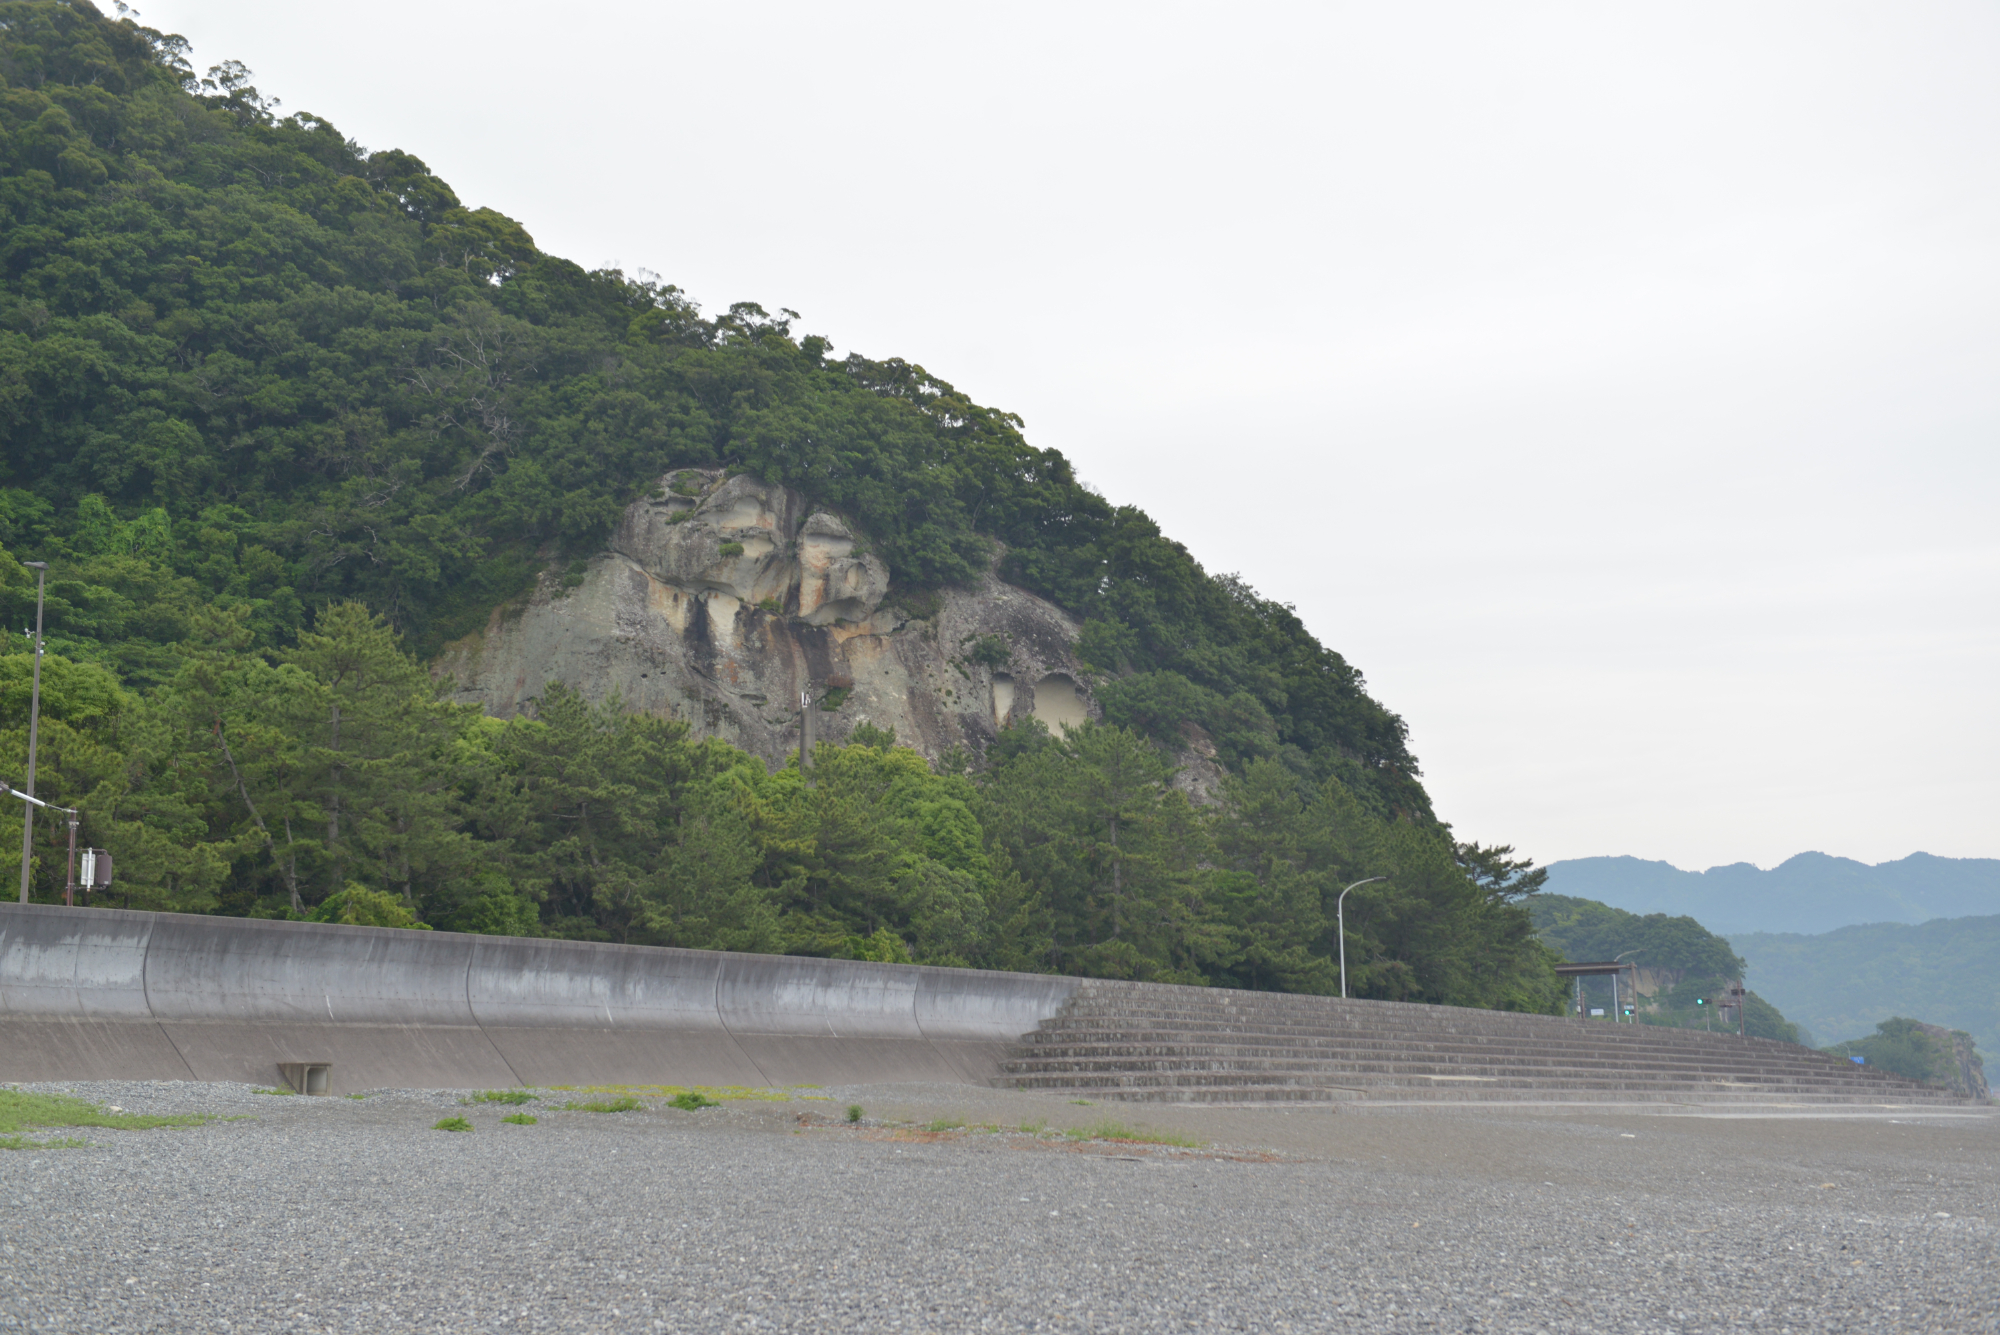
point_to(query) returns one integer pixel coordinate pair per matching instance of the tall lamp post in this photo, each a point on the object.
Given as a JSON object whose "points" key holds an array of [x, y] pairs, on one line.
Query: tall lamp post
{"points": [[41, 569], [1340, 913]]}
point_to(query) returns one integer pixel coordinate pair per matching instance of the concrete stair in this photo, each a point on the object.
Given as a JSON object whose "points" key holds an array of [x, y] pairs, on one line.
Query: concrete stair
{"points": [[1153, 1042]]}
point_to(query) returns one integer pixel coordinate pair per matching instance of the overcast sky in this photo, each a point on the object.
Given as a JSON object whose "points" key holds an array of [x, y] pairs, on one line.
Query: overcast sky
{"points": [[1614, 385]]}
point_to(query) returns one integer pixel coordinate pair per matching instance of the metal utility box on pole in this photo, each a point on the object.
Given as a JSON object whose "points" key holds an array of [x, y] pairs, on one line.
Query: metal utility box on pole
{"points": [[41, 569], [1734, 997]]}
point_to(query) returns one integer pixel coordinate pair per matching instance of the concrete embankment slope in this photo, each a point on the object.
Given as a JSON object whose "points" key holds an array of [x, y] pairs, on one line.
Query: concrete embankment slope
{"points": [[108, 994], [94, 994]]}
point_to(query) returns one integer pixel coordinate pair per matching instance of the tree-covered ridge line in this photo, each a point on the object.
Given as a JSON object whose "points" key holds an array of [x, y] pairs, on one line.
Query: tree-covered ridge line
{"points": [[1693, 964], [1846, 981], [245, 363], [329, 780], [284, 416]]}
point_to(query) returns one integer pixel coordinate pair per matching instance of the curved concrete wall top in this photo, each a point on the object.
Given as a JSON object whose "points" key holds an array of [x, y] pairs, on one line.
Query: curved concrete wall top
{"points": [[789, 995], [979, 1005], [256, 969], [234, 995], [529, 983], [73, 963]]}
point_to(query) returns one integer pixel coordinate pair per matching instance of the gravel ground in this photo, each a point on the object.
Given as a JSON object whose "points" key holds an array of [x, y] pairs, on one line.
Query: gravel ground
{"points": [[352, 1215]]}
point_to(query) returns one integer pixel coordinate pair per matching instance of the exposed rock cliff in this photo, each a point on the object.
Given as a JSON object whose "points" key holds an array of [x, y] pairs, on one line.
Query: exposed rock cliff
{"points": [[721, 598]]}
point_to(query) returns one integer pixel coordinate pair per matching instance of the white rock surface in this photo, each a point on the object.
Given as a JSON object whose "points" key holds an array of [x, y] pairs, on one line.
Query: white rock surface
{"points": [[720, 617]]}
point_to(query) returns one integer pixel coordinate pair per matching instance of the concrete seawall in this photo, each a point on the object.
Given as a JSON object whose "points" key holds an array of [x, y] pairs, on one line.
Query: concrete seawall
{"points": [[109, 994]]}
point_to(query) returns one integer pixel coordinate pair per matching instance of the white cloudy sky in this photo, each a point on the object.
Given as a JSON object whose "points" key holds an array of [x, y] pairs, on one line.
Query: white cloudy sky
{"points": [[1614, 384]]}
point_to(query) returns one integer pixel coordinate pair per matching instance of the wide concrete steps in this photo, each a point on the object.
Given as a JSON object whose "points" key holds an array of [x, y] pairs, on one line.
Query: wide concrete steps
{"points": [[1156, 1043]]}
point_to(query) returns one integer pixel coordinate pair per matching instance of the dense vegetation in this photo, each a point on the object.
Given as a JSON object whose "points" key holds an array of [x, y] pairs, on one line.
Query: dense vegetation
{"points": [[1921, 1052], [328, 780], [245, 362], [284, 416], [1844, 982], [1702, 962]]}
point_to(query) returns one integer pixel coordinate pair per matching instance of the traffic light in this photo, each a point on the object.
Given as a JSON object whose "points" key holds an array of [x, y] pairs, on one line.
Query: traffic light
{"points": [[1701, 1001], [1628, 1012]]}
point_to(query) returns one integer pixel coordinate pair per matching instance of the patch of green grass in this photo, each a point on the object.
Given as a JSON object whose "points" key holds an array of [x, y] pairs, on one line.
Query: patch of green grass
{"points": [[946, 1124], [23, 1143], [281, 1093], [854, 1112], [453, 1124], [627, 1104], [1109, 1130], [732, 549], [1082, 1103], [513, 1096], [19, 1110], [1034, 1128], [520, 1119], [691, 1101], [357, 1096]]}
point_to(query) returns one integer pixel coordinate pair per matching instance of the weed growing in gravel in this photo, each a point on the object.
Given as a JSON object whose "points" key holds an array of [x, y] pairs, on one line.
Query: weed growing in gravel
{"points": [[627, 1104], [1109, 1130], [20, 1110], [946, 1124], [693, 1102], [519, 1119], [513, 1096], [357, 1096], [1081, 1102], [1034, 1128], [453, 1124], [278, 1092], [853, 1112]]}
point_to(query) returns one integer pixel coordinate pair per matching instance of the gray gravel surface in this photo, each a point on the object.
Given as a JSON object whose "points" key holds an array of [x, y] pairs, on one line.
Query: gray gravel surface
{"points": [[352, 1215]]}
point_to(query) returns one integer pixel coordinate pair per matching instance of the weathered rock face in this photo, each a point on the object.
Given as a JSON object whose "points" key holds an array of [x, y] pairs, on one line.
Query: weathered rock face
{"points": [[1965, 1072], [720, 605]]}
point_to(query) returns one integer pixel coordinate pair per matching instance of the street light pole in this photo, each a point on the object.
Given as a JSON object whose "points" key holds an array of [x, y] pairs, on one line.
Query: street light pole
{"points": [[41, 569], [1340, 913]]}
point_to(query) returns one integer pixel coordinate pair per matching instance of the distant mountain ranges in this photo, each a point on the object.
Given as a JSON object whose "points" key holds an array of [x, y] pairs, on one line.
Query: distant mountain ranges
{"points": [[1809, 893], [1835, 944]]}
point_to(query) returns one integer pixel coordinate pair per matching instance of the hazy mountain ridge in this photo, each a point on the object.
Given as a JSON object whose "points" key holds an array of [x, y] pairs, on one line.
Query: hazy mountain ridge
{"points": [[1841, 984], [1809, 893]]}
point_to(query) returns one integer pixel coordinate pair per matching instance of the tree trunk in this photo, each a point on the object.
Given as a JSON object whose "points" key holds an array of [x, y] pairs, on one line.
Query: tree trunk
{"points": [[291, 882], [292, 869], [1117, 880], [333, 809]]}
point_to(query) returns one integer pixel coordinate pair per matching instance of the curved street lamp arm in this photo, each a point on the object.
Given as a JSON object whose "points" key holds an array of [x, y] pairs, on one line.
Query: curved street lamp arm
{"points": [[8, 789], [1340, 915]]}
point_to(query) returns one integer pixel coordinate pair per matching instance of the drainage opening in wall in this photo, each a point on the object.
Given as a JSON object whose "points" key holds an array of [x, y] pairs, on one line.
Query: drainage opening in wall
{"points": [[306, 1077]]}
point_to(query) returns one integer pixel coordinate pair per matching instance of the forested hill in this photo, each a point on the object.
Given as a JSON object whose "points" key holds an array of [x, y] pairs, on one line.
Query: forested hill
{"points": [[284, 416], [246, 362]]}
